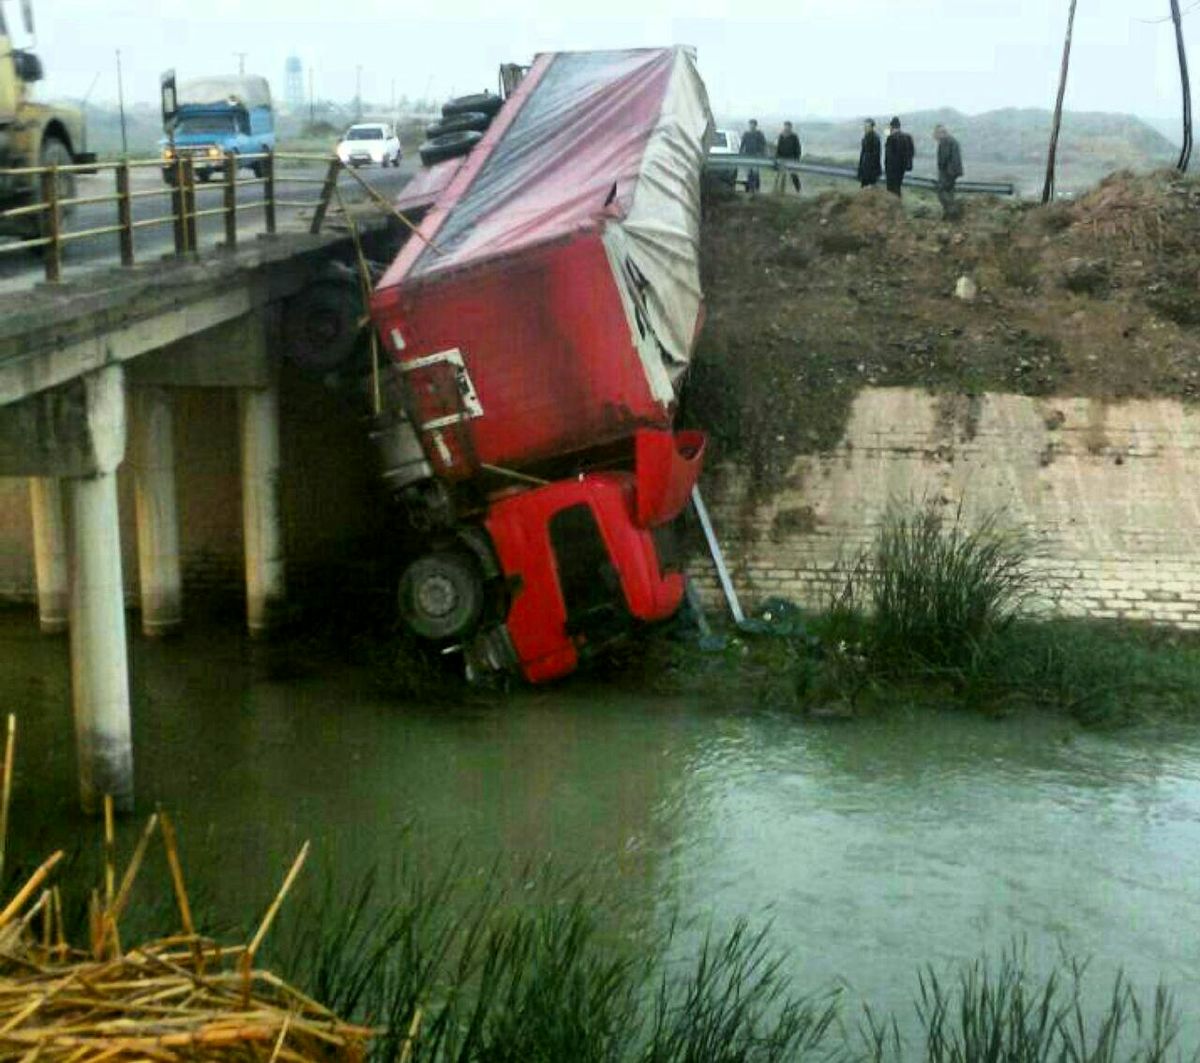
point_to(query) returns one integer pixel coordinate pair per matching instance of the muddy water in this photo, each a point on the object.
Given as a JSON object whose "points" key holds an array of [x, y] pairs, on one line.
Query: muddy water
{"points": [[872, 847]]}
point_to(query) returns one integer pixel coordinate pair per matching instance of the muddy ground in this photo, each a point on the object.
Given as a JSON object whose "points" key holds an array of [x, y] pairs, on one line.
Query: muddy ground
{"points": [[810, 300]]}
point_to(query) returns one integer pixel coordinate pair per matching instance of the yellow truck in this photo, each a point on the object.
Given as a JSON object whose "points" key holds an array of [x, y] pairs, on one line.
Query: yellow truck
{"points": [[31, 133]]}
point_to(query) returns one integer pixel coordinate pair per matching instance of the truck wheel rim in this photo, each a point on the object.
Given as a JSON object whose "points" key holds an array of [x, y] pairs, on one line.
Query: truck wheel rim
{"points": [[436, 596]]}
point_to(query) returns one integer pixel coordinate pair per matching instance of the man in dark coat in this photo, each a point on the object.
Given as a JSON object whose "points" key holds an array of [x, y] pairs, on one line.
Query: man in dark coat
{"points": [[869, 154], [949, 169], [753, 144], [787, 149], [898, 156]]}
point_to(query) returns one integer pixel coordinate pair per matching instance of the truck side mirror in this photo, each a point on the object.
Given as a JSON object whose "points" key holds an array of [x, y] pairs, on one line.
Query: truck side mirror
{"points": [[27, 65], [169, 103]]}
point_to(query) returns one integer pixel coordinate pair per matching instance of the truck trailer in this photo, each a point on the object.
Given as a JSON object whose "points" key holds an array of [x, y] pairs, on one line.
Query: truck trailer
{"points": [[539, 324]]}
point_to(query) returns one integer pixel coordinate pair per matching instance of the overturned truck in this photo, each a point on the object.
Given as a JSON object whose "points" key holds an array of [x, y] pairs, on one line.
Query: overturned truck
{"points": [[539, 324]]}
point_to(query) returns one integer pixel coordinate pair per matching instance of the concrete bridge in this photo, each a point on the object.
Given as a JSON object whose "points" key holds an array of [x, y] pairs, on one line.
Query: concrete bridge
{"points": [[87, 372]]}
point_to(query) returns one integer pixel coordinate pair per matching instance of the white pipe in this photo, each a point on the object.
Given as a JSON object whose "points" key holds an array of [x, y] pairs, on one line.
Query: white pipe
{"points": [[714, 548]]}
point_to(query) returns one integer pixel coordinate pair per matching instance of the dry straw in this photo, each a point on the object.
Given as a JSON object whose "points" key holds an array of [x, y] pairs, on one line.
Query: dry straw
{"points": [[183, 997]]}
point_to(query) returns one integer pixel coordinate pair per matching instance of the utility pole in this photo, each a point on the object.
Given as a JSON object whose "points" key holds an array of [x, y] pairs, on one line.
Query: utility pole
{"points": [[1048, 187], [241, 58], [1185, 154], [358, 93], [312, 103], [121, 105]]}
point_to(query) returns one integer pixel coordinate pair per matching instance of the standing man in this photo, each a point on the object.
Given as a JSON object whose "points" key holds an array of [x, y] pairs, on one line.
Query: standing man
{"points": [[869, 154], [753, 144], [898, 156], [787, 149], [949, 170]]}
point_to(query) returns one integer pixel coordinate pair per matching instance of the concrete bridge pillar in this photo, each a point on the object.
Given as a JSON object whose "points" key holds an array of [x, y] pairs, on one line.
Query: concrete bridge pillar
{"points": [[159, 572], [258, 416], [99, 662], [49, 552]]}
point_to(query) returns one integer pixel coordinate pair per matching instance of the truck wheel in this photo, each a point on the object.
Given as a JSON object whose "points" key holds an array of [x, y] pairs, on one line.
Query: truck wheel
{"points": [[450, 146], [441, 595], [320, 325], [56, 153], [457, 123], [483, 102]]}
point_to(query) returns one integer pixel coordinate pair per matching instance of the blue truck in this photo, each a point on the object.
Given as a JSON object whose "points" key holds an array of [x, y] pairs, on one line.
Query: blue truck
{"points": [[214, 116]]}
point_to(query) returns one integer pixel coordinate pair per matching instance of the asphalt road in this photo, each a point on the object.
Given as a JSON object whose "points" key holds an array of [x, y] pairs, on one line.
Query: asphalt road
{"points": [[23, 269]]}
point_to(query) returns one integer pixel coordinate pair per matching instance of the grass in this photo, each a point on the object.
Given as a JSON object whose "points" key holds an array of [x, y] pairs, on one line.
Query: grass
{"points": [[938, 612], [538, 980]]}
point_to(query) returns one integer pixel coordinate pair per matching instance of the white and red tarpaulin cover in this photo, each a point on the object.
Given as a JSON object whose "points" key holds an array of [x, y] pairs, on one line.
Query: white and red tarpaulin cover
{"points": [[610, 142]]}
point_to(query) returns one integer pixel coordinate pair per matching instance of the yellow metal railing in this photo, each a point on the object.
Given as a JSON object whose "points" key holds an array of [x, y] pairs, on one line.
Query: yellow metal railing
{"points": [[48, 211]]}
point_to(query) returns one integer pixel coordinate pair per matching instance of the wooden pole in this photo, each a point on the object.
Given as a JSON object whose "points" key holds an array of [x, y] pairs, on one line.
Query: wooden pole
{"points": [[1048, 187], [1185, 154], [125, 212]]}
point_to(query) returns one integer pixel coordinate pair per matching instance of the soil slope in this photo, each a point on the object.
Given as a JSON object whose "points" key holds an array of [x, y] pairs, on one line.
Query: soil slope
{"points": [[809, 300]]}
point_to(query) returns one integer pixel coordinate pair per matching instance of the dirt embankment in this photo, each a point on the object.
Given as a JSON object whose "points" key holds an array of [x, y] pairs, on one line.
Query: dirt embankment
{"points": [[810, 300]]}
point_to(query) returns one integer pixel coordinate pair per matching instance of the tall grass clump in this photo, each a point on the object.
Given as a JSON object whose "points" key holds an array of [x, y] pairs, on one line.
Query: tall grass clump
{"points": [[940, 590], [456, 968]]}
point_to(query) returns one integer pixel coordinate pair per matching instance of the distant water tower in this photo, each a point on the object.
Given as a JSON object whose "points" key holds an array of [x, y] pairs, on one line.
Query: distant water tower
{"points": [[293, 92]]}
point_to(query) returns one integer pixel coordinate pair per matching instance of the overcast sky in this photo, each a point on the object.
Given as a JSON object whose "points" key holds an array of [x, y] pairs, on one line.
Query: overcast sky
{"points": [[803, 57]]}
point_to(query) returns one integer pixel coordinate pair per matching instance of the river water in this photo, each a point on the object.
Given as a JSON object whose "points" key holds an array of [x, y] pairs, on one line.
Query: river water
{"points": [[872, 847]]}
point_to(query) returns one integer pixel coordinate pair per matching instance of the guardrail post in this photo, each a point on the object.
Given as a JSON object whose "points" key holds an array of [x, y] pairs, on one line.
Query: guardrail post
{"points": [[327, 190], [269, 191], [125, 213], [52, 251], [230, 200], [189, 204], [177, 208]]}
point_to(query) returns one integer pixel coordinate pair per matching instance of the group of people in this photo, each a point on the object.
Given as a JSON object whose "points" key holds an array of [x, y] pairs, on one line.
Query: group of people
{"points": [[787, 148], [894, 158], [891, 159]]}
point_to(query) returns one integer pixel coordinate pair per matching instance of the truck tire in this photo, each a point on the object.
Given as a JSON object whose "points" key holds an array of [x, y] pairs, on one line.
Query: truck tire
{"points": [[441, 595], [320, 324], [450, 146], [480, 101], [457, 123]]}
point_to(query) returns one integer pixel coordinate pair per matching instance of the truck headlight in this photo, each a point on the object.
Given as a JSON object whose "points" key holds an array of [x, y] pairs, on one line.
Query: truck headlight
{"points": [[214, 152], [168, 154]]}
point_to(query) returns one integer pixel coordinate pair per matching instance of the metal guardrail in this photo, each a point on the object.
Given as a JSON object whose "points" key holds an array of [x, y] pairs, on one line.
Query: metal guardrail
{"points": [[48, 211], [821, 169]]}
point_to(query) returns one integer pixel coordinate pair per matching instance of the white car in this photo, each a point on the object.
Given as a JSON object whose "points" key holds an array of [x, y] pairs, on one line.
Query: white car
{"points": [[370, 143], [724, 142]]}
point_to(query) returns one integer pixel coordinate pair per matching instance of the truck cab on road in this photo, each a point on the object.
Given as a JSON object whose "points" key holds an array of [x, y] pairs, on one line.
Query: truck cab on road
{"points": [[32, 133], [217, 116]]}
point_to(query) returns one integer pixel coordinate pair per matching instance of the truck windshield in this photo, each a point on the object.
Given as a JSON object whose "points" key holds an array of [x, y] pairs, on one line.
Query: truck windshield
{"points": [[364, 132], [206, 123]]}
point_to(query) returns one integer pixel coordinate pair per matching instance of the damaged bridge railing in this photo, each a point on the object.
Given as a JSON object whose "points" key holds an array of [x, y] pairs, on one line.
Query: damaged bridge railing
{"points": [[44, 222], [730, 164]]}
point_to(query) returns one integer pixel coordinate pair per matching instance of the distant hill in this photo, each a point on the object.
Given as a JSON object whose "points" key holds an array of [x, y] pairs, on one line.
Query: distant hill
{"points": [[1009, 143]]}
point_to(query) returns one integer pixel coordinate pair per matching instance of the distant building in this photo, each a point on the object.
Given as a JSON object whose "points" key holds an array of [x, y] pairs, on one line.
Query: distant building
{"points": [[293, 84]]}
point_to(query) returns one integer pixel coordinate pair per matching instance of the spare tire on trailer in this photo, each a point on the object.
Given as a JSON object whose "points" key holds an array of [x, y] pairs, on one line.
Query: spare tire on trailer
{"points": [[484, 102], [458, 123], [450, 146]]}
